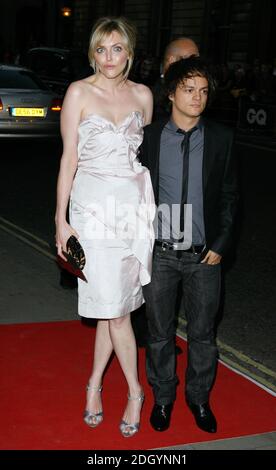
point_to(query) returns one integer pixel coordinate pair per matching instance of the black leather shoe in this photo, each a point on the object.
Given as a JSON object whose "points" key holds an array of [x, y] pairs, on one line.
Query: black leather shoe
{"points": [[161, 416], [203, 416]]}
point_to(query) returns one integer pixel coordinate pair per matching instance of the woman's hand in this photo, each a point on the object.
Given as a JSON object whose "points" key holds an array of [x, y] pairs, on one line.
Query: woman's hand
{"points": [[63, 232]]}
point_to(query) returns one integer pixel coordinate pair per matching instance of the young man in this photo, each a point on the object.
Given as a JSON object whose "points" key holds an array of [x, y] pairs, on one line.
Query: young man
{"points": [[192, 166], [177, 49]]}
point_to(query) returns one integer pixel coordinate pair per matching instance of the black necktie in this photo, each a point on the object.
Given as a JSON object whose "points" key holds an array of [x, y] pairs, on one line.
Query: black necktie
{"points": [[185, 147]]}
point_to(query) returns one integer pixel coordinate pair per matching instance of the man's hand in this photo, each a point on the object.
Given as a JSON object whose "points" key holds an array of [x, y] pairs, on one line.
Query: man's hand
{"points": [[211, 258]]}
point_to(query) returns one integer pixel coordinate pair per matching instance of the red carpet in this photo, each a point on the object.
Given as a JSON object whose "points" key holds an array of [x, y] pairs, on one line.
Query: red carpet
{"points": [[44, 370]]}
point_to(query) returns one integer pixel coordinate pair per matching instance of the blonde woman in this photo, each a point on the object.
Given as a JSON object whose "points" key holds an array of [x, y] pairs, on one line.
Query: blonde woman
{"points": [[102, 127]]}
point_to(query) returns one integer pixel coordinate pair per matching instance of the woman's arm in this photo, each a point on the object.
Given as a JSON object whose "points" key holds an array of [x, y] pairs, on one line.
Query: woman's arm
{"points": [[70, 119]]}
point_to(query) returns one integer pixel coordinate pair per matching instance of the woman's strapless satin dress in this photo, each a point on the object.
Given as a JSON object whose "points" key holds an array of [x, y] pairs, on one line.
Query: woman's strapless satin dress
{"points": [[112, 209]]}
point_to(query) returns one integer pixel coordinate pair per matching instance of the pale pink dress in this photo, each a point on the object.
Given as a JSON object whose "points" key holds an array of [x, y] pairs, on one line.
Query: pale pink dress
{"points": [[112, 209]]}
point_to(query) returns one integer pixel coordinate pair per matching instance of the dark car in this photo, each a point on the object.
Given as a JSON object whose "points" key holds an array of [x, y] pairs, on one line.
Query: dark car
{"points": [[57, 67], [28, 108]]}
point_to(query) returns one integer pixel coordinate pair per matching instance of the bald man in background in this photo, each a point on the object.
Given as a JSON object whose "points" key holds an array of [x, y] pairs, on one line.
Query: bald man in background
{"points": [[179, 48]]}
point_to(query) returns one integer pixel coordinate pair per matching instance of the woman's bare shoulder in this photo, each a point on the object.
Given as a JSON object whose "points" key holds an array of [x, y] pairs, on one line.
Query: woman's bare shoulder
{"points": [[142, 93], [81, 86], [139, 88]]}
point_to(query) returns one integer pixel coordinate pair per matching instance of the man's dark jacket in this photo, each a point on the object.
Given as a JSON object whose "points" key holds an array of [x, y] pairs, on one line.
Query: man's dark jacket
{"points": [[219, 179]]}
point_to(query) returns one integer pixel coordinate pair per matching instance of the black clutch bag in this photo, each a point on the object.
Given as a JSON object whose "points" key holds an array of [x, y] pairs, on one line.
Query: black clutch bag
{"points": [[75, 258]]}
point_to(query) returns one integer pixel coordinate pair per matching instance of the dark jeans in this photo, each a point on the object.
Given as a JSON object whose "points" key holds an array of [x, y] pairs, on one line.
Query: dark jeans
{"points": [[201, 295]]}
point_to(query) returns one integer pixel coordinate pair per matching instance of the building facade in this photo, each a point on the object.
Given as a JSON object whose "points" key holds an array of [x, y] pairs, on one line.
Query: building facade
{"points": [[30, 23], [225, 30]]}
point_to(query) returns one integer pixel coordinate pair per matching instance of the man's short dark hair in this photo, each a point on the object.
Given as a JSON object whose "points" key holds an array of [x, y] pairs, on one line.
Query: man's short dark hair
{"points": [[178, 72]]}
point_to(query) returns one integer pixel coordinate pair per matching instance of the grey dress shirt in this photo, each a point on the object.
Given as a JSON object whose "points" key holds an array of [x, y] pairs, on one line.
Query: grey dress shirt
{"points": [[170, 187]]}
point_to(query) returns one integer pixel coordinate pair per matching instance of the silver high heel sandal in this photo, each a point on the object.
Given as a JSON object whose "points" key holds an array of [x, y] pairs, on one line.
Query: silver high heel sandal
{"points": [[93, 419], [127, 429]]}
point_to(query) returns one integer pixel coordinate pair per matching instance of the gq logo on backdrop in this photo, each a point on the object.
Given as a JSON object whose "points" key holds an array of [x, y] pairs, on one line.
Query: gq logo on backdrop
{"points": [[259, 117]]}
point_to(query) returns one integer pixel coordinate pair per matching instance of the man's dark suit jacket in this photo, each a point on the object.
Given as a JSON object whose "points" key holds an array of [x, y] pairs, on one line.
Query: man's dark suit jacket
{"points": [[219, 179]]}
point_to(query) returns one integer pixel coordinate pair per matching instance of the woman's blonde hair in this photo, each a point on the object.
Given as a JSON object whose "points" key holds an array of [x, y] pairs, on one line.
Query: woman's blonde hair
{"points": [[104, 27]]}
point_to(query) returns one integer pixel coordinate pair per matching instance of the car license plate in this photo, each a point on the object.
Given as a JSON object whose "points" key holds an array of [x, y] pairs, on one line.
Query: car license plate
{"points": [[29, 112]]}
